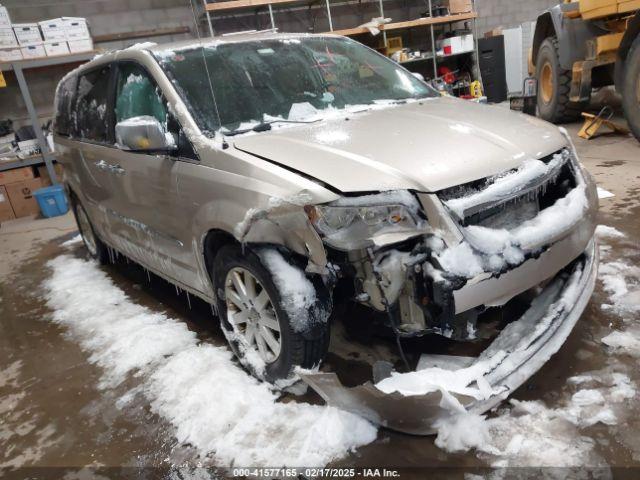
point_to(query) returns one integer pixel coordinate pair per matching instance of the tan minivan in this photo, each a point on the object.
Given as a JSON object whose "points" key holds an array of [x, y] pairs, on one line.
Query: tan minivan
{"points": [[283, 178]]}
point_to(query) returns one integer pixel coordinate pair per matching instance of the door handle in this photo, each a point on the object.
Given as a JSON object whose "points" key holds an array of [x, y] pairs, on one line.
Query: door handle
{"points": [[117, 169], [102, 165]]}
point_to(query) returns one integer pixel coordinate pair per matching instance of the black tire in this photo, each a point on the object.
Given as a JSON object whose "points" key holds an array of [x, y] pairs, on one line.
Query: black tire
{"points": [[298, 349], [631, 89], [553, 97], [96, 249]]}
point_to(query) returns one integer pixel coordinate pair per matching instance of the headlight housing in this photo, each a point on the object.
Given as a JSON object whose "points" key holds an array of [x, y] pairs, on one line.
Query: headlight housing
{"points": [[357, 227]]}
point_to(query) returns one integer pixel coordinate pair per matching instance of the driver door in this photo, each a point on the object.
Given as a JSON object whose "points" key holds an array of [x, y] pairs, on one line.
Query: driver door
{"points": [[145, 185]]}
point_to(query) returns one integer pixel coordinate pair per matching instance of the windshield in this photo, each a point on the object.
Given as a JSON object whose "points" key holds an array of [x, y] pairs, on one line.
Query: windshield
{"points": [[296, 79]]}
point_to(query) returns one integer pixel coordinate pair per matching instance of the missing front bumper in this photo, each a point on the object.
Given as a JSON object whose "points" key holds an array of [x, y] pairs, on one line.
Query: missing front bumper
{"points": [[523, 347]]}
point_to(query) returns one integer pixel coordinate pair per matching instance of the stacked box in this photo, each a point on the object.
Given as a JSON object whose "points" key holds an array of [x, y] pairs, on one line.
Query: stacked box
{"points": [[7, 37], [27, 34], [82, 45], [76, 28], [56, 47], [5, 20], [10, 54], [54, 29], [33, 51]]}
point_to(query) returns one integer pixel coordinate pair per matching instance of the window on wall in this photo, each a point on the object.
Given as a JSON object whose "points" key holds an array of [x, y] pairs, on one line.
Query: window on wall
{"points": [[65, 116], [137, 95], [92, 105]]}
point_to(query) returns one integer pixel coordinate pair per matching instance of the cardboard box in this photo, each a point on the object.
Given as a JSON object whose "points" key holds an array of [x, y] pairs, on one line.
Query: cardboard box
{"points": [[496, 32], [27, 33], [16, 175], [43, 173], [21, 197], [455, 45], [76, 28], [7, 37], [10, 54], [460, 6], [5, 20], [53, 29], [78, 46], [6, 212], [56, 48], [33, 51]]}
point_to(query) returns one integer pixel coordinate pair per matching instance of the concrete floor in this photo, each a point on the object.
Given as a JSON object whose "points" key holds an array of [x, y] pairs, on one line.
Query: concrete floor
{"points": [[52, 413]]}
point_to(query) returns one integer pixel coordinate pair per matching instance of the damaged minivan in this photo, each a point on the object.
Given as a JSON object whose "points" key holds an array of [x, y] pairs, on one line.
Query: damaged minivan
{"points": [[307, 186]]}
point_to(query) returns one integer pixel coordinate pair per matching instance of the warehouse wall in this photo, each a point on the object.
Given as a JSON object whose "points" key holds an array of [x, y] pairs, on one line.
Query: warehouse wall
{"points": [[105, 17], [508, 13]]}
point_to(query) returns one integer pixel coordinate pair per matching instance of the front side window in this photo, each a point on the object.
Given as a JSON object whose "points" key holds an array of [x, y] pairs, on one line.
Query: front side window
{"points": [[137, 95], [294, 79], [91, 106]]}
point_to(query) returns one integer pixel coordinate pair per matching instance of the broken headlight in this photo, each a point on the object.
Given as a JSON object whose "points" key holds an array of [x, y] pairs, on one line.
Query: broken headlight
{"points": [[351, 228]]}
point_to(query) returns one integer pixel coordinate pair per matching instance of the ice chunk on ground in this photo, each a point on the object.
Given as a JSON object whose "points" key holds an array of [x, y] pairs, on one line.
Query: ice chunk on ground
{"points": [[211, 402], [587, 397], [72, 241], [602, 194], [623, 341], [462, 432], [605, 231]]}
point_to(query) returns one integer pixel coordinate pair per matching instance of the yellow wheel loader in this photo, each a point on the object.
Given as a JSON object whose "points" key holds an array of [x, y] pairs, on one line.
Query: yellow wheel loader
{"points": [[579, 45]]}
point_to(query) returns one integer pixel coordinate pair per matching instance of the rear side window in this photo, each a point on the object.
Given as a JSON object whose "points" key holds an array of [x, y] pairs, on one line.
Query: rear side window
{"points": [[92, 105], [65, 115]]}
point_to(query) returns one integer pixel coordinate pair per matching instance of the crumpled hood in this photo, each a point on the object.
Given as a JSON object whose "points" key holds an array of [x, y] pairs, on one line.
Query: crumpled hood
{"points": [[424, 146]]}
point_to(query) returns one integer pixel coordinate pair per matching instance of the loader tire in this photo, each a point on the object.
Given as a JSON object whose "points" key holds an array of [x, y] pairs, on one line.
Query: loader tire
{"points": [[554, 86], [631, 89]]}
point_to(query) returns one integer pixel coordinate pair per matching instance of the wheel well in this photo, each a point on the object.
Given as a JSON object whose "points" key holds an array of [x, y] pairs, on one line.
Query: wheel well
{"points": [[214, 240], [544, 29]]}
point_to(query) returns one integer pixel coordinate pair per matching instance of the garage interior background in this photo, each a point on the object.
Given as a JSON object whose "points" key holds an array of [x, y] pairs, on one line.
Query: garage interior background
{"points": [[174, 18]]}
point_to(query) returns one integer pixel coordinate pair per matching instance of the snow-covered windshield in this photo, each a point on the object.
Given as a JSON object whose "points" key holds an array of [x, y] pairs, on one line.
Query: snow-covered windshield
{"points": [[297, 79]]}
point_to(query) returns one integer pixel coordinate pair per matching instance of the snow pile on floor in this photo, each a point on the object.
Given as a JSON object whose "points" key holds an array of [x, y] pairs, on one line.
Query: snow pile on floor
{"points": [[620, 278], [212, 403], [532, 434]]}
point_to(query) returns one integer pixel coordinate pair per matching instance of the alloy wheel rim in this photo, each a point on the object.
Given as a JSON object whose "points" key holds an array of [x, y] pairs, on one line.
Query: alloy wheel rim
{"points": [[546, 82], [86, 231], [251, 314]]}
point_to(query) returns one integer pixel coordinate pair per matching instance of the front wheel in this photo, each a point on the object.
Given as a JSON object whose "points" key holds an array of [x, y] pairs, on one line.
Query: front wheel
{"points": [[272, 327], [631, 89]]}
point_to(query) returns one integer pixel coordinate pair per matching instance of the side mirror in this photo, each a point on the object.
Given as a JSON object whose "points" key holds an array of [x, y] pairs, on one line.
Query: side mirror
{"points": [[143, 133], [419, 76]]}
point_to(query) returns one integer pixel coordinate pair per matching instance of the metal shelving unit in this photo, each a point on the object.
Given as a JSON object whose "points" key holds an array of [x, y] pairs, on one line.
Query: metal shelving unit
{"points": [[431, 22], [18, 67]]}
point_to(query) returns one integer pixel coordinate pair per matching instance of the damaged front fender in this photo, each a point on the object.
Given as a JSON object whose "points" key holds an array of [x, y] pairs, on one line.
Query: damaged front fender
{"points": [[285, 223]]}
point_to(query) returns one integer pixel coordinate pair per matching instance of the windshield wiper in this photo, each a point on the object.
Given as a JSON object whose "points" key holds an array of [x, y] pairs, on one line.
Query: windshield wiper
{"points": [[265, 126]]}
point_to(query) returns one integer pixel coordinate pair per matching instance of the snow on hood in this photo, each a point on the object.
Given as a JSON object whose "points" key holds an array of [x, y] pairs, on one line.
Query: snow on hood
{"points": [[425, 146]]}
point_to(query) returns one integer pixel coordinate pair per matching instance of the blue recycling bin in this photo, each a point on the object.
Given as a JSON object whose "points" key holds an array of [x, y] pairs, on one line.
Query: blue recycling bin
{"points": [[52, 201]]}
